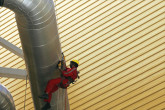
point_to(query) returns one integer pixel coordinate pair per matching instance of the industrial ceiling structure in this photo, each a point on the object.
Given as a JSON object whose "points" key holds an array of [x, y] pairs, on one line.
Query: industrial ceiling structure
{"points": [[121, 48]]}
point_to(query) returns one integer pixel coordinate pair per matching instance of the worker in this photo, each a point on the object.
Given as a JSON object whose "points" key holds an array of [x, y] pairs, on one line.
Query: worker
{"points": [[68, 76]]}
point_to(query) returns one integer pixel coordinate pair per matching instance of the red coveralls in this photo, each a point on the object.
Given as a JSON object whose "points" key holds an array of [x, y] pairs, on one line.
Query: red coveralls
{"points": [[53, 84]]}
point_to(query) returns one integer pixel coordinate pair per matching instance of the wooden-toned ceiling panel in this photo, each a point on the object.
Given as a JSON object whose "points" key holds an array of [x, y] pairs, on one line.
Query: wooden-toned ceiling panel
{"points": [[110, 54], [9, 62], [119, 96], [9, 29], [112, 43], [89, 24], [104, 77], [79, 18], [147, 97], [146, 93], [6, 17], [80, 43], [120, 45], [158, 105]]}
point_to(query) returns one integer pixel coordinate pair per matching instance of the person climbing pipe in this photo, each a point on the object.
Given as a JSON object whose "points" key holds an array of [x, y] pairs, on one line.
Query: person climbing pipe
{"points": [[68, 76]]}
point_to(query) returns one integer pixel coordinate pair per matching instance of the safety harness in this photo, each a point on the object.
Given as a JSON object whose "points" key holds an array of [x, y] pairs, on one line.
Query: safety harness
{"points": [[71, 80], [61, 85]]}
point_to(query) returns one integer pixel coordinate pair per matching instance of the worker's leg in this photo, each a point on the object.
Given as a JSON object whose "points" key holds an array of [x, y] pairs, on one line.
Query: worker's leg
{"points": [[52, 85], [50, 94]]}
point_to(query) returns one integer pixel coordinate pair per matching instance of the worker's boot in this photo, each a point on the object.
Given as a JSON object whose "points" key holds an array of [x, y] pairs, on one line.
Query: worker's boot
{"points": [[44, 96], [46, 106]]}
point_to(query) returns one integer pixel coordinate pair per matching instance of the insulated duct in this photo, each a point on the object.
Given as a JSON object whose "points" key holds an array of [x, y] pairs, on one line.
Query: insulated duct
{"points": [[38, 32], [6, 100]]}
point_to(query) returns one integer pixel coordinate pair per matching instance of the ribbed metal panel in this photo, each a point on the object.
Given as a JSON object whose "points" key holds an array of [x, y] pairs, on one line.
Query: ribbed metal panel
{"points": [[121, 48]]}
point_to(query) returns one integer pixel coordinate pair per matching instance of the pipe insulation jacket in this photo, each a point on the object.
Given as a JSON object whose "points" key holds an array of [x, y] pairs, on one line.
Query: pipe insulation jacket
{"points": [[39, 37], [6, 100]]}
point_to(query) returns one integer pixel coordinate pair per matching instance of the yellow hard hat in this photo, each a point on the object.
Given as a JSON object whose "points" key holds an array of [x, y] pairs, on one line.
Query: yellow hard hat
{"points": [[76, 61]]}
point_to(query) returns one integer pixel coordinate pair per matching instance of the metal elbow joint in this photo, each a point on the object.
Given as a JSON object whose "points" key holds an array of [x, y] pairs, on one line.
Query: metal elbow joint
{"points": [[6, 100]]}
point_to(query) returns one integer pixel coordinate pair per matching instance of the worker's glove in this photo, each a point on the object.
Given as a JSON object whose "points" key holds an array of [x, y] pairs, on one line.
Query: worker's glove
{"points": [[59, 65]]}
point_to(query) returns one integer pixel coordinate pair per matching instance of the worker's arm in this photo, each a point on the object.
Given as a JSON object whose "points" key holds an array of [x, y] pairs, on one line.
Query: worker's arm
{"points": [[69, 72], [62, 64]]}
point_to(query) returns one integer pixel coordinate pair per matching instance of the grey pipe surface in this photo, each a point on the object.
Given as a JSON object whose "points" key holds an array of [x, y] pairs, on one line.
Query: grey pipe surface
{"points": [[38, 32], [6, 100]]}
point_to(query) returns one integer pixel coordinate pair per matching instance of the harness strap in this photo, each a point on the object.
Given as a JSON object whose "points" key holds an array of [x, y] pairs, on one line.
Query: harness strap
{"points": [[64, 86], [70, 71]]}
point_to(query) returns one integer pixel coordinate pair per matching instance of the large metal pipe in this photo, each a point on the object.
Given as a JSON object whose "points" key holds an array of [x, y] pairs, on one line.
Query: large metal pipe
{"points": [[6, 100], [38, 32]]}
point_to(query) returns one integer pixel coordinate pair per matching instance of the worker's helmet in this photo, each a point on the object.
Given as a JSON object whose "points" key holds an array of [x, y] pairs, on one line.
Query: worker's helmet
{"points": [[75, 62]]}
